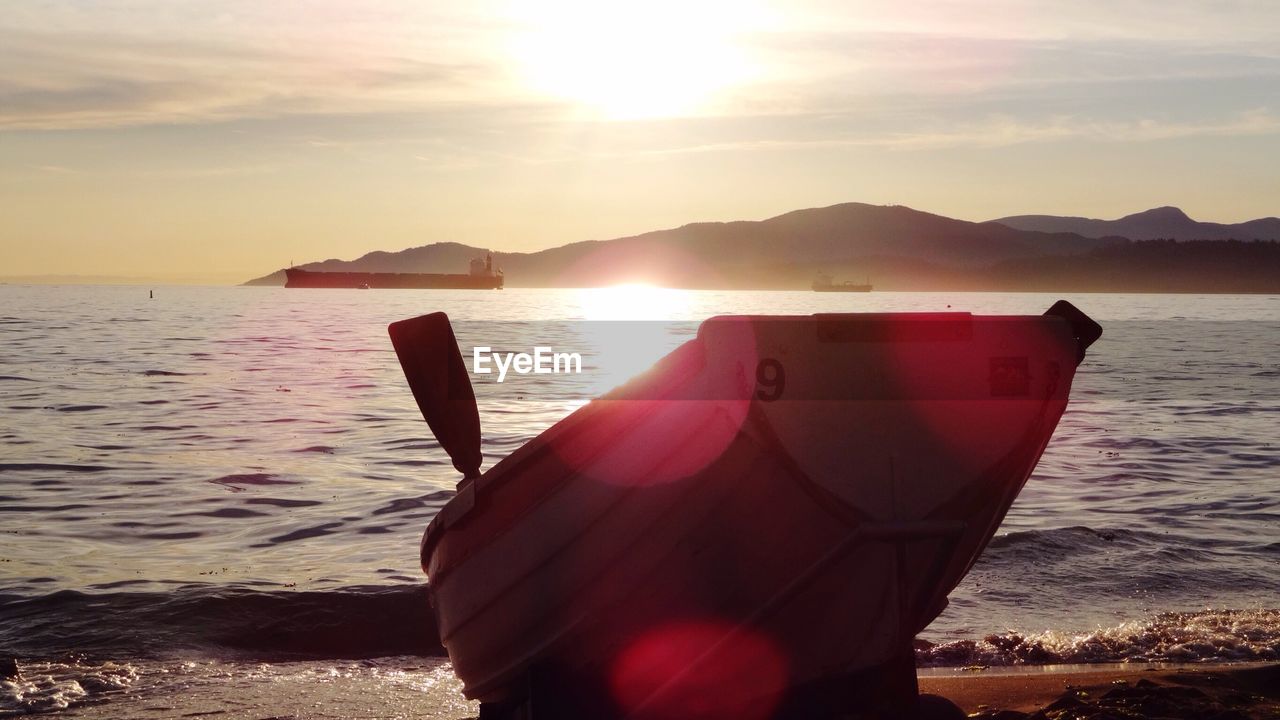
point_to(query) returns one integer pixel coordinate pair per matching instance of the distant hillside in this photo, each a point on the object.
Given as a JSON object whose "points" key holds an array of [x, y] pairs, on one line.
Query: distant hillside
{"points": [[437, 257], [894, 247], [1163, 223], [1150, 266], [784, 251]]}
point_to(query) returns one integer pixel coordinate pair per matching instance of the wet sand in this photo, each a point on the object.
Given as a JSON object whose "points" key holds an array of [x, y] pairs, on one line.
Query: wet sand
{"points": [[1199, 692], [425, 688]]}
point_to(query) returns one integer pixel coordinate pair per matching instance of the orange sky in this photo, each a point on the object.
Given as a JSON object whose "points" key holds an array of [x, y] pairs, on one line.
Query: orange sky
{"points": [[217, 141]]}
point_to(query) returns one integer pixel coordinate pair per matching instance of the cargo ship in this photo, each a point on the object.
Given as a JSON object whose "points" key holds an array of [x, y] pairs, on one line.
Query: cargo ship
{"points": [[482, 277], [823, 284]]}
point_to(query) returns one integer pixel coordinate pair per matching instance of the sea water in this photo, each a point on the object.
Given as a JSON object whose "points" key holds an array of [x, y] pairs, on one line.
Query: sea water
{"points": [[221, 490]]}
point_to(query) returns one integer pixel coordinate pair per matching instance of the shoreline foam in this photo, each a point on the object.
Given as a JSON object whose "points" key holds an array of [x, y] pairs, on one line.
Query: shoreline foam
{"points": [[426, 688]]}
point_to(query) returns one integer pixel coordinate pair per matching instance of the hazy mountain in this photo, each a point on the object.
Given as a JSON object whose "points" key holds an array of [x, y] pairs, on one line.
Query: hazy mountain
{"points": [[1168, 223], [437, 257], [894, 247], [851, 239]]}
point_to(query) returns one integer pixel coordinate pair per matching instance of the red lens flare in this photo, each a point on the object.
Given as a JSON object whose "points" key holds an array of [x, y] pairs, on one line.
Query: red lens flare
{"points": [[699, 669]]}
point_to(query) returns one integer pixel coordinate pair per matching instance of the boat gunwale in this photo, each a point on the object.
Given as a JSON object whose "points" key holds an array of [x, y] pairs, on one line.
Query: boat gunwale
{"points": [[511, 465]]}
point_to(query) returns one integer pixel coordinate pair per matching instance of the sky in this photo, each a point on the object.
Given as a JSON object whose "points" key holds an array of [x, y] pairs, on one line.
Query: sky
{"points": [[200, 141]]}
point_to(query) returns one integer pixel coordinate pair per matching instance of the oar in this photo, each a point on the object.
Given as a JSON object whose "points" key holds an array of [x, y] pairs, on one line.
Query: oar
{"points": [[433, 366]]}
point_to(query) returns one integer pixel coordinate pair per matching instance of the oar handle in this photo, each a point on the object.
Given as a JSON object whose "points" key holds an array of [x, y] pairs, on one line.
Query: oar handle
{"points": [[1084, 328]]}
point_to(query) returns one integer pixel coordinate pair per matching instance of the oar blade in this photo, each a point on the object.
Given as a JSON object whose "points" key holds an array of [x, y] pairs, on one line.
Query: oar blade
{"points": [[433, 365]]}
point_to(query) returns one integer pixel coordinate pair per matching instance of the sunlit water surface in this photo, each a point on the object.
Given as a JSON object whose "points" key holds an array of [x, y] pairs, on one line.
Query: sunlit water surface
{"points": [[224, 470]]}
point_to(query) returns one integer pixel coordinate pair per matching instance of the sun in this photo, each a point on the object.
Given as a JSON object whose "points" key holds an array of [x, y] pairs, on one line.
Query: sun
{"points": [[633, 60], [634, 301]]}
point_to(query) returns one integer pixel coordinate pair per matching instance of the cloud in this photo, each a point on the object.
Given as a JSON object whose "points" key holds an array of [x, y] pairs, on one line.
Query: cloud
{"points": [[1000, 131], [830, 71], [88, 79], [56, 169], [118, 63], [1182, 21], [1006, 131]]}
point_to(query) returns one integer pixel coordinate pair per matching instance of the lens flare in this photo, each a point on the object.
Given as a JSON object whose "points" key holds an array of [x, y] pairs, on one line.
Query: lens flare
{"points": [[700, 669]]}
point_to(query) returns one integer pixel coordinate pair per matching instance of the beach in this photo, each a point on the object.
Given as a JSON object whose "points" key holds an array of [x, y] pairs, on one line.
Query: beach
{"points": [[1247, 690], [408, 687]]}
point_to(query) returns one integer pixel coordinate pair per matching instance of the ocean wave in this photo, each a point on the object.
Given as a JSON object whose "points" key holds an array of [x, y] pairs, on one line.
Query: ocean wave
{"points": [[1183, 637], [79, 408], [1066, 541], [238, 481], [50, 686], [209, 620], [214, 620], [53, 466]]}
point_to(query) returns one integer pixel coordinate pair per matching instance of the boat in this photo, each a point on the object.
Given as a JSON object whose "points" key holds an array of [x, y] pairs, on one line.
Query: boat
{"points": [[481, 277], [823, 283], [756, 527]]}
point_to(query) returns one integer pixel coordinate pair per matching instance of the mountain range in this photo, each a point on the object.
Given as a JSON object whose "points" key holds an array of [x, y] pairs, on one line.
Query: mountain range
{"points": [[1162, 223], [895, 247]]}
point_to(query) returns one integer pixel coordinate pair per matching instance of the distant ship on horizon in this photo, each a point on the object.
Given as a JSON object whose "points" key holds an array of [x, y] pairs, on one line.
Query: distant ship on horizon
{"points": [[481, 277], [823, 283]]}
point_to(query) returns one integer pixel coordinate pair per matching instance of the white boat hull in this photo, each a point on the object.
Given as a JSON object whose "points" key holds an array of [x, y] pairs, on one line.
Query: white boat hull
{"points": [[779, 501]]}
